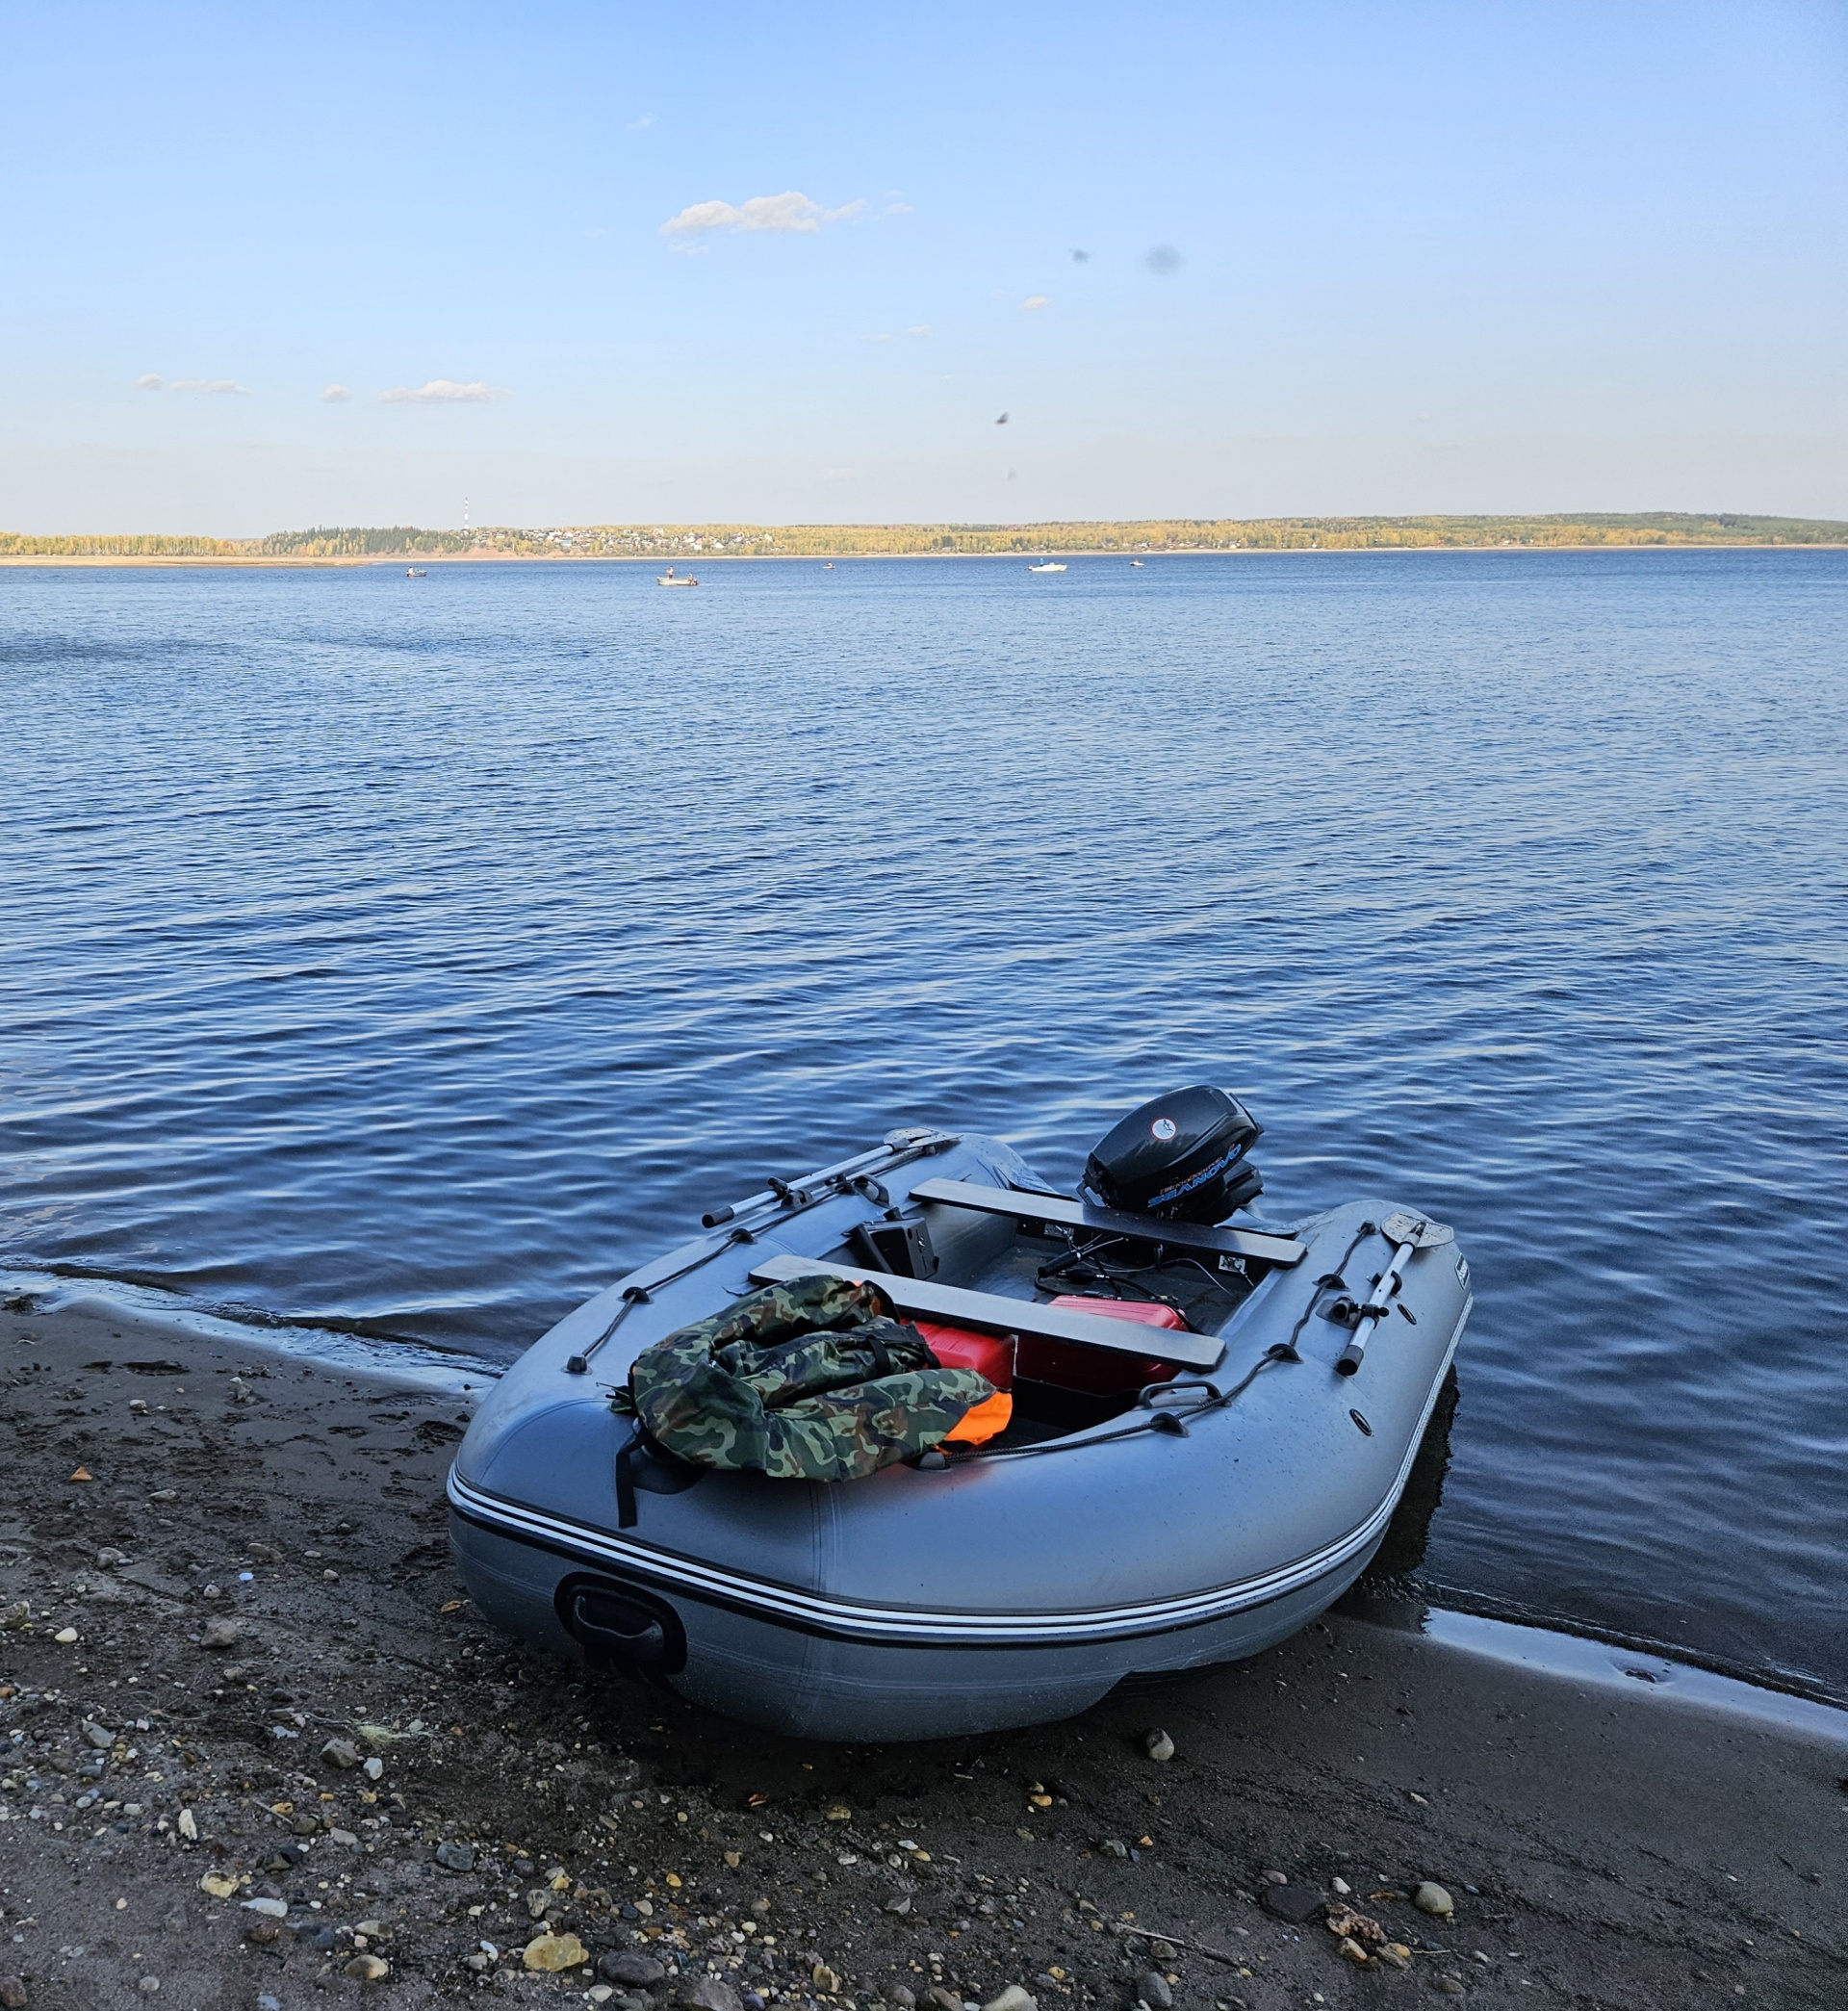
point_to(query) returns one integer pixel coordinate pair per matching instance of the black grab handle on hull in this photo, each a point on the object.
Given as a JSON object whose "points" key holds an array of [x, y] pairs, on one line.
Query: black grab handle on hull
{"points": [[618, 1627]]}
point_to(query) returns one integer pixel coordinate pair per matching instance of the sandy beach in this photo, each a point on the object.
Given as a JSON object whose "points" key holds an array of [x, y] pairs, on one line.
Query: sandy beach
{"points": [[260, 1753]]}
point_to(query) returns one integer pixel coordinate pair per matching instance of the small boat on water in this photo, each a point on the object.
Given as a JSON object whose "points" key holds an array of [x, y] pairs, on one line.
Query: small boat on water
{"points": [[1050, 565], [671, 578], [1135, 561], [827, 566], [417, 572], [1212, 1422]]}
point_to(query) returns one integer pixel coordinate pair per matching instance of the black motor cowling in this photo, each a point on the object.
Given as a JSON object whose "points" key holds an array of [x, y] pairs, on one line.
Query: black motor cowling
{"points": [[1181, 1155]]}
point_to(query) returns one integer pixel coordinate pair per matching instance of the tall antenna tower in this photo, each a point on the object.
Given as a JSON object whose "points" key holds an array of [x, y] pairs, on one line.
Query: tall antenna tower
{"points": [[465, 513]]}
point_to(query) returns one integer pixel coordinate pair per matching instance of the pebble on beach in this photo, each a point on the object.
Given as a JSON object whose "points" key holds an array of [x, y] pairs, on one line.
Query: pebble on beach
{"points": [[1158, 1746], [367, 1969], [1013, 1999], [630, 1967], [552, 1952], [1295, 1904], [1434, 1899], [13, 1993]]}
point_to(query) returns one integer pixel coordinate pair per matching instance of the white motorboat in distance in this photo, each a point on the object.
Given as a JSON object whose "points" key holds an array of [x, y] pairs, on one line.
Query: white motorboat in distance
{"points": [[671, 578], [1050, 565]]}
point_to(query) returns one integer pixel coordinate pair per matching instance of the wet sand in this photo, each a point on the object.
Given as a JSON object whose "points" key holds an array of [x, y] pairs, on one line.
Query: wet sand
{"points": [[1601, 1848]]}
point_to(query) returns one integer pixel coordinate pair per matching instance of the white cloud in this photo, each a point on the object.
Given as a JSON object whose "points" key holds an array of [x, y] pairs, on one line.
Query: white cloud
{"points": [[335, 395], [792, 211], [439, 390], [1034, 300], [201, 387], [879, 338], [922, 328], [897, 209], [639, 125]]}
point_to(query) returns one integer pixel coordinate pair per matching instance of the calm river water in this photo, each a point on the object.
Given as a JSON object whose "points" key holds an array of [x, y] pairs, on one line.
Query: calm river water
{"points": [[420, 953]]}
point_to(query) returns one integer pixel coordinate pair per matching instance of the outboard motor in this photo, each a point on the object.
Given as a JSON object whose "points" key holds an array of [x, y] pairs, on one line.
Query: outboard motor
{"points": [[1181, 1155]]}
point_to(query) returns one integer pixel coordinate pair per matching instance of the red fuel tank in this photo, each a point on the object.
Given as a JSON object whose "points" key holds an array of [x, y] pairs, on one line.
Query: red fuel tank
{"points": [[1070, 1366], [960, 1348]]}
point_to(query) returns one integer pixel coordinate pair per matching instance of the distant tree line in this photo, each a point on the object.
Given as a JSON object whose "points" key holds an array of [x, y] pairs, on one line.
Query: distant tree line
{"points": [[902, 540]]}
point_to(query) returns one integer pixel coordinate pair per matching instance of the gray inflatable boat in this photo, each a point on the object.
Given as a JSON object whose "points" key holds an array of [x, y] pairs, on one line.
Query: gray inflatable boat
{"points": [[1166, 1496]]}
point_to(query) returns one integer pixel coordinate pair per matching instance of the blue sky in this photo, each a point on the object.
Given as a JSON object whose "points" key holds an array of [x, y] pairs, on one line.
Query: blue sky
{"points": [[1337, 258]]}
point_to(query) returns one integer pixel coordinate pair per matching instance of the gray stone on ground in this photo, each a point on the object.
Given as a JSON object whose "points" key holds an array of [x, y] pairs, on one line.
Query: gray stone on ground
{"points": [[1013, 1999], [454, 1856], [1155, 1990], [632, 1966], [1158, 1746], [1432, 1898], [1295, 1904], [709, 1994]]}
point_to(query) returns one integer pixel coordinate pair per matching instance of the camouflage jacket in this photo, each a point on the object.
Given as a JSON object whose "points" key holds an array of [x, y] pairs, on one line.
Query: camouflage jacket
{"points": [[810, 1380]]}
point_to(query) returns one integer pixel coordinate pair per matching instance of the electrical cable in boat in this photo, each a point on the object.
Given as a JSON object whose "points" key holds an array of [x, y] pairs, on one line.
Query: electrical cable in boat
{"points": [[1128, 1281], [1212, 1277]]}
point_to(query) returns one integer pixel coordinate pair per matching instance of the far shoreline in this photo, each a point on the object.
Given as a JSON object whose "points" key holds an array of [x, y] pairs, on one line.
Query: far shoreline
{"points": [[387, 561]]}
